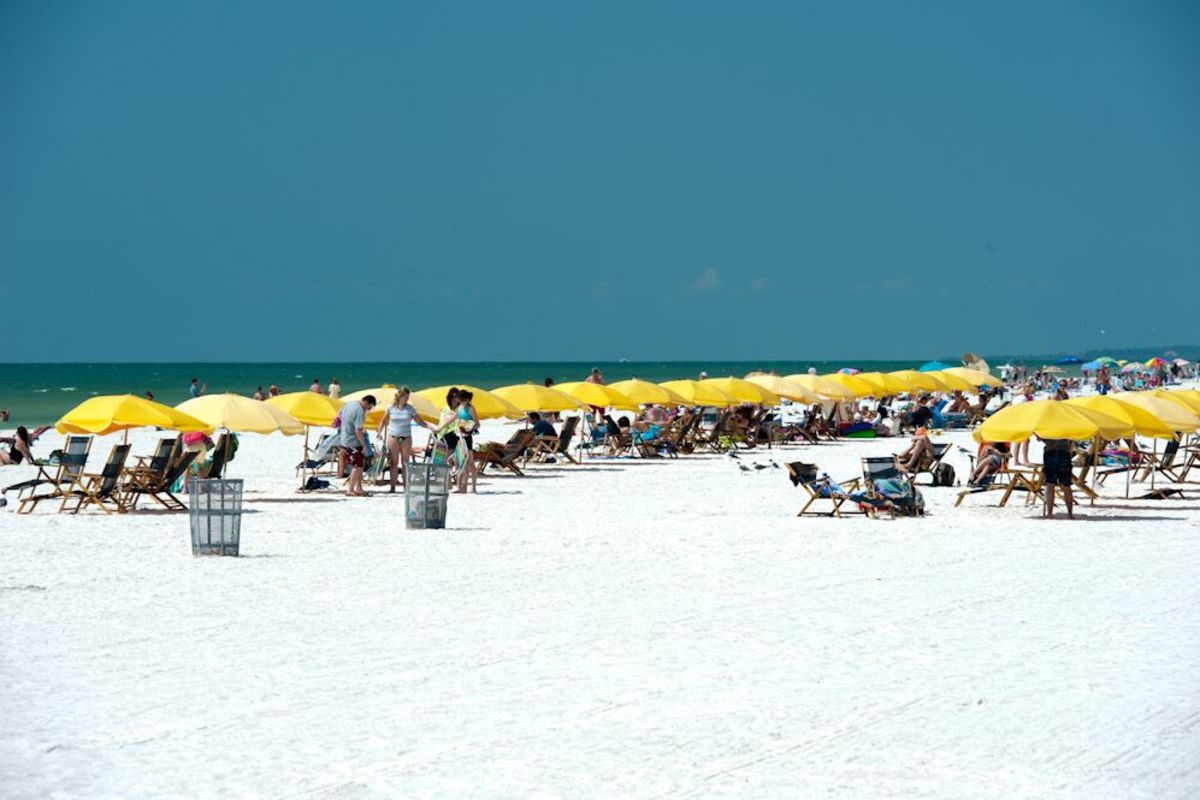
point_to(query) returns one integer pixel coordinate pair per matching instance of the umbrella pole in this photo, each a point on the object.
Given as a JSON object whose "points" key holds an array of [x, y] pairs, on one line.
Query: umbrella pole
{"points": [[1153, 463], [304, 459]]}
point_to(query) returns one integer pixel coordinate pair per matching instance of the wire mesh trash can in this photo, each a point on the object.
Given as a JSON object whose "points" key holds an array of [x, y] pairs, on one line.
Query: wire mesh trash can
{"points": [[425, 496], [215, 508]]}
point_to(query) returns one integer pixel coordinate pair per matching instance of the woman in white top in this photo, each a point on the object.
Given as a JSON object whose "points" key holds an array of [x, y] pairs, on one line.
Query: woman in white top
{"points": [[397, 421]]}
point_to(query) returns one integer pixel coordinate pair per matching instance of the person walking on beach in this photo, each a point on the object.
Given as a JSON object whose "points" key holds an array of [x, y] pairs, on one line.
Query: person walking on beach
{"points": [[316, 386], [468, 424], [1056, 472], [196, 389], [354, 441], [335, 389], [397, 422], [597, 411]]}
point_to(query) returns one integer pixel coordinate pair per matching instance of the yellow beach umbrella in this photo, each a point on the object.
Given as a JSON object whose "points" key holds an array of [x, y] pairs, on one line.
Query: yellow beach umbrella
{"points": [[535, 397], [599, 395], [647, 393], [822, 387], [696, 393], [119, 412], [1143, 421], [925, 381], [972, 376], [1187, 397], [385, 395], [952, 382], [1175, 415], [308, 408], [743, 390], [487, 404], [783, 387], [859, 387], [885, 385], [1050, 419], [239, 414]]}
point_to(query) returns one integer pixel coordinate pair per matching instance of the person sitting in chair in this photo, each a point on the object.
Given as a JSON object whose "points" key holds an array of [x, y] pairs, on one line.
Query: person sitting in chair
{"points": [[991, 458], [918, 452], [20, 447]]}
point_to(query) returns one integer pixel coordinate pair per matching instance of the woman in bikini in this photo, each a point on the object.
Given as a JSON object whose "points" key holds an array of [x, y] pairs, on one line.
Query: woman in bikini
{"points": [[397, 421], [20, 447]]}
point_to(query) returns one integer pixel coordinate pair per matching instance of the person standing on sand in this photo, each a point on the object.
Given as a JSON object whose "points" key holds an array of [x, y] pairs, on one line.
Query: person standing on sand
{"points": [[335, 389], [196, 389], [1056, 471], [258, 394], [468, 424], [274, 391], [150, 395], [354, 441], [596, 377], [397, 422], [316, 386]]}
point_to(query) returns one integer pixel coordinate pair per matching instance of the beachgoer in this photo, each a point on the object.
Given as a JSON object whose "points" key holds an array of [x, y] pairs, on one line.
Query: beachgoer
{"points": [[991, 458], [1056, 471], [335, 389], [539, 426], [4, 415], [917, 451], [316, 386], [354, 441], [397, 422], [150, 395], [274, 390], [548, 382], [468, 424], [447, 433], [595, 376], [258, 394], [20, 446], [196, 389], [703, 375]]}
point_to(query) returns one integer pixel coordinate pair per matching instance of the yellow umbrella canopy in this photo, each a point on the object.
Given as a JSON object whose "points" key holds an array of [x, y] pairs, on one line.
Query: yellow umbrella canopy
{"points": [[884, 384], [1050, 419], [534, 397], [783, 387], [384, 396], [487, 404], [646, 393], [1175, 415], [744, 391], [1143, 421], [239, 414], [308, 408], [119, 412], [952, 382], [597, 394], [695, 393], [859, 387], [822, 386], [925, 381], [972, 376], [1187, 397]]}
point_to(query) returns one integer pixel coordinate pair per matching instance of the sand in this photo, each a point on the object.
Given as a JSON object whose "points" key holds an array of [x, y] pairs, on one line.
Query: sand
{"points": [[617, 629]]}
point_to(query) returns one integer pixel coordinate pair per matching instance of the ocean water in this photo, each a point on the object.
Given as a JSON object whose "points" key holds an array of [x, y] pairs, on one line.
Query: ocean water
{"points": [[36, 394]]}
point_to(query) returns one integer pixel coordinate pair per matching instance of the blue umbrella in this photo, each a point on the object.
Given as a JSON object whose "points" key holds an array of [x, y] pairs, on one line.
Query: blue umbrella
{"points": [[1069, 360], [1092, 366], [932, 366]]}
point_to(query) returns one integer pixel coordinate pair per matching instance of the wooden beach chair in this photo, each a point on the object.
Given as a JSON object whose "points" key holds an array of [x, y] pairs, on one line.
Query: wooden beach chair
{"points": [[103, 490], [547, 447], [71, 466], [820, 489], [215, 467], [157, 485], [504, 455], [880, 472]]}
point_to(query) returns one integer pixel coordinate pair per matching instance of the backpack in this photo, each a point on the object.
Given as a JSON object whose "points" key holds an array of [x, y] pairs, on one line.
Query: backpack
{"points": [[943, 474]]}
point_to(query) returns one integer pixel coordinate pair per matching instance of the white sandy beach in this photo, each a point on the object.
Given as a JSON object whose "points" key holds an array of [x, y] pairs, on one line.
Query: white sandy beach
{"points": [[618, 629]]}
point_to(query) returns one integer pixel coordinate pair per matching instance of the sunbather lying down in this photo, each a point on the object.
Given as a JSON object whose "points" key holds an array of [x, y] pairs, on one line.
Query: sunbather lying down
{"points": [[918, 451]]}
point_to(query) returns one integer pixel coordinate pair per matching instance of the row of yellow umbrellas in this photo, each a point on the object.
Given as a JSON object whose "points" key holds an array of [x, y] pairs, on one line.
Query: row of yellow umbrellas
{"points": [[1159, 414], [289, 413]]}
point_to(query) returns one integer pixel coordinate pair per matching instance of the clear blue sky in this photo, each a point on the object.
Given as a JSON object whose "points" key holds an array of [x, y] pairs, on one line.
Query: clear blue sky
{"points": [[423, 181]]}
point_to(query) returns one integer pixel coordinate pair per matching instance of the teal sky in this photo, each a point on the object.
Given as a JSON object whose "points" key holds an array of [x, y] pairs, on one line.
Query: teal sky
{"points": [[512, 181]]}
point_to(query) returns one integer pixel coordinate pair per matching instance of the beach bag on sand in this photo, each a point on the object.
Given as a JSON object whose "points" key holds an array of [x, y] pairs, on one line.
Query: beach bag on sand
{"points": [[943, 474]]}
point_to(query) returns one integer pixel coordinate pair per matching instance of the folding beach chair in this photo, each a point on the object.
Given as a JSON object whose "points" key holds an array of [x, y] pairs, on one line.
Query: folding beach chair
{"points": [[71, 465], [821, 487], [931, 464], [545, 448], [215, 467], [887, 488], [504, 455], [103, 490], [158, 485]]}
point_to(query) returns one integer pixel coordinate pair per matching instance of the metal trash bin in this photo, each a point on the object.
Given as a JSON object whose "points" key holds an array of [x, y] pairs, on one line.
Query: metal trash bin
{"points": [[425, 496], [215, 509]]}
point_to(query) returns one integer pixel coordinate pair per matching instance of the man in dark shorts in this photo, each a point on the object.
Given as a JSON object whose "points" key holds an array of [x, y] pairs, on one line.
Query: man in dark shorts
{"points": [[1056, 471], [354, 441]]}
